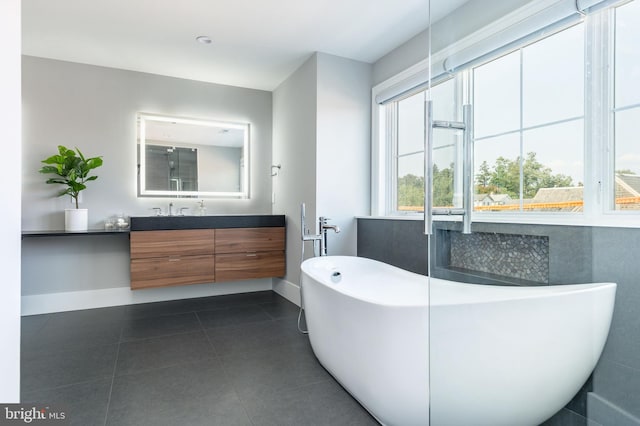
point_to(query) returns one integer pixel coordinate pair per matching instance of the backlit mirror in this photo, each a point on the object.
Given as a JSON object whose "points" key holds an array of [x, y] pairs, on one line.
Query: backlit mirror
{"points": [[184, 157]]}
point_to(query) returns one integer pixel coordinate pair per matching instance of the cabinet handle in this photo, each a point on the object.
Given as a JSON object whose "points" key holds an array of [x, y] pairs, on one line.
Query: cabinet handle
{"points": [[251, 255], [174, 259]]}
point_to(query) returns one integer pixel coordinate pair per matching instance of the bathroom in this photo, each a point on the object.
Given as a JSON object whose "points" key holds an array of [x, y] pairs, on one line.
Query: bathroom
{"points": [[326, 160]]}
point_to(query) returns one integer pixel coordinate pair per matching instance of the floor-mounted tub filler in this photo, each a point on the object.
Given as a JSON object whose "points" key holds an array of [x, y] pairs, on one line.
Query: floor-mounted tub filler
{"points": [[499, 355]]}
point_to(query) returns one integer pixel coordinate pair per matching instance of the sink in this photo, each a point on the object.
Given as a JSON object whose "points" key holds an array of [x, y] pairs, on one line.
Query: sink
{"points": [[154, 223]]}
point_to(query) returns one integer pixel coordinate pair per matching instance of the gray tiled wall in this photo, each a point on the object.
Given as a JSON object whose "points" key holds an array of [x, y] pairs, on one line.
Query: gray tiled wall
{"points": [[576, 255], [397, 242], [616, 257]]}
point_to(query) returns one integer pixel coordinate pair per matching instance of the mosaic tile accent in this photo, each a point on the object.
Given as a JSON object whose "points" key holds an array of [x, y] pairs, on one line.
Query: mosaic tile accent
{"points": [[524, 257]]}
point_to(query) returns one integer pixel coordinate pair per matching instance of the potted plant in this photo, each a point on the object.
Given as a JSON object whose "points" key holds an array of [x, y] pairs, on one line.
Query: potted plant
{"points": [[72, 170]]}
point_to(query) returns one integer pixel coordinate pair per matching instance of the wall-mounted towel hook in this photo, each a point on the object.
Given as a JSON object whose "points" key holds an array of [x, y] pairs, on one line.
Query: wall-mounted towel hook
{"points": [[277, 169]]}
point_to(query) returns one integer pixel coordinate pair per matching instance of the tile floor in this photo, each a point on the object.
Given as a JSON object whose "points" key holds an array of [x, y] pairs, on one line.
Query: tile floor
{"points": [[225, 360]]}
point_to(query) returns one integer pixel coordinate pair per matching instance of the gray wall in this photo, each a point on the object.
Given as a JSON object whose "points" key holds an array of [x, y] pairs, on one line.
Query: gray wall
{"points": [[576, 255], [322, 125], [94, 108], [343, 159], [294, 148]]}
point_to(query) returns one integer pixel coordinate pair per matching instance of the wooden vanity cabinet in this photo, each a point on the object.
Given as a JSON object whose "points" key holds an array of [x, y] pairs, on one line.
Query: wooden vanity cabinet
{"points": [[162, 258], [175, 257], [243, 253]]}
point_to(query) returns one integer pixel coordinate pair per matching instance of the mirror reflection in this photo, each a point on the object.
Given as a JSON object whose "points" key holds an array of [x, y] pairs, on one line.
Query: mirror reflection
{"points": [[183, 157]]}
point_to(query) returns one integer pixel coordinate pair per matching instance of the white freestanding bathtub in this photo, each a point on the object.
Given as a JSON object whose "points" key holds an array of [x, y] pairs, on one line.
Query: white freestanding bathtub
{"points": [[497, 355]]}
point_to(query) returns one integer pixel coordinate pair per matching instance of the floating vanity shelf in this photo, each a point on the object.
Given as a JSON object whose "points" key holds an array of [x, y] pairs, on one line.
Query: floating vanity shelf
{"points": [[183, 250], [62, 233]]}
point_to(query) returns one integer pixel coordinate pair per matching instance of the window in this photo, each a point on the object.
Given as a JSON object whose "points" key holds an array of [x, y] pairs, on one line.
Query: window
{"points": [[529, 119], [551, 125], [409, 158], [406, 118]]}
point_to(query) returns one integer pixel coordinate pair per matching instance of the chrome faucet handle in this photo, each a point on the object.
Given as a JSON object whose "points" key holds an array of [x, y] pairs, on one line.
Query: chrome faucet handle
{"points": [[157, 210], [182, 209]]}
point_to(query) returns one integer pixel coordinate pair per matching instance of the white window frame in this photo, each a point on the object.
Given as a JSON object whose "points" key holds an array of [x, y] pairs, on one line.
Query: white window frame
{"points": [[599, 176]]}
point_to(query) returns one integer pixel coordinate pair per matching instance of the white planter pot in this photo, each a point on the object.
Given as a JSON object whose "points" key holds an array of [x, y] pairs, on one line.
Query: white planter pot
{"points": [[76, 220]]}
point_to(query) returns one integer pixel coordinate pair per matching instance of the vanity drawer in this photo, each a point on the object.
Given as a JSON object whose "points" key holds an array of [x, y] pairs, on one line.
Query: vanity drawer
{"points": [[230, 267], [172, 270], [249, 240], [184, 242]]}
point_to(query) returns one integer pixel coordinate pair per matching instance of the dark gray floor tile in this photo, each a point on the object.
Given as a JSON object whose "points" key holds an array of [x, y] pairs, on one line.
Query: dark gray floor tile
{"points": [[84, 404], [566, 417], [159, 352], [233, 316], [284, 367], [250, 339], [49, 370], [191, 393], [205, 410], [99, 315], [236, 300], [71, 330], [155, 309], [250, 366], [321, 403], [281, 309], [32, 324], [145, 328]]}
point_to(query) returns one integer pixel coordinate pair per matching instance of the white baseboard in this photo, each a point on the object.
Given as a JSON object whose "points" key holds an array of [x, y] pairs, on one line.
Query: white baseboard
{"points": [[90, 299], [287, 289], [602, 412]]}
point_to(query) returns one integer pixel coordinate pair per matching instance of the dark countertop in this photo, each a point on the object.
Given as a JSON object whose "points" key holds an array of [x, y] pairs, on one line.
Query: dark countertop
{"points": [[152, 223]]}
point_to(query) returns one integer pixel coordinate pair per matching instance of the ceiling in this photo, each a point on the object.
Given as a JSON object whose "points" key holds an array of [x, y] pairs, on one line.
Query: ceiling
{"points": [[255, 43]]}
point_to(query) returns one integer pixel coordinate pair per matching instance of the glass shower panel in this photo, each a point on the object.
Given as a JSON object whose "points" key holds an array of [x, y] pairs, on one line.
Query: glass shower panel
{"points": [[410, 128], [497, 173], [447, 162], [626, 168], [410, 188], [627, 160], [553, 78], [496, 98]]}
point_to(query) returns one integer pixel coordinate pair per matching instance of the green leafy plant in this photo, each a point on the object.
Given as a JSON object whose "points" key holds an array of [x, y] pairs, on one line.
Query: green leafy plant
{"points": [[71, 169]]}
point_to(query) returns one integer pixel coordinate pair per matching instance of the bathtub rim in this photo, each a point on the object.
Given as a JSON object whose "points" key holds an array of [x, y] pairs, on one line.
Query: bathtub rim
{"points": [[483, 293]]}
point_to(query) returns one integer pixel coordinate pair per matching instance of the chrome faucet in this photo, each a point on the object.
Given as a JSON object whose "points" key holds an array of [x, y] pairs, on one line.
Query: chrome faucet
{"points": [[170, 211], [323, 226], [321, 237]]}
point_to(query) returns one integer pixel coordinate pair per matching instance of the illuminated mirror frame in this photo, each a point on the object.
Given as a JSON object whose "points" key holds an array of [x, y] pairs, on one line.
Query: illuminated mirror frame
{"points": [[143, 118]]}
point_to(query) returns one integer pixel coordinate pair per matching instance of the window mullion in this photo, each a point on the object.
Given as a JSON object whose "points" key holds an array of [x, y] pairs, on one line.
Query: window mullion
{"points": [[521, 129], [392, 155], [597, 124]]}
